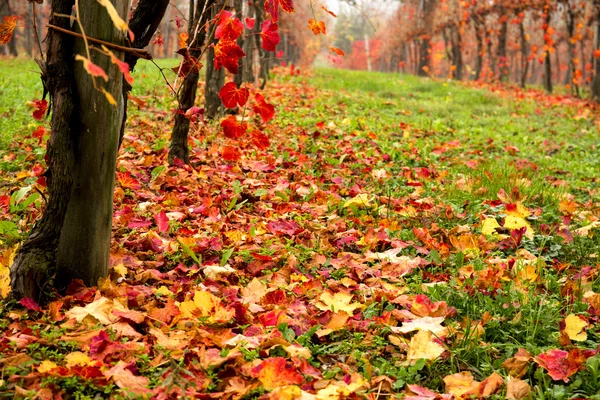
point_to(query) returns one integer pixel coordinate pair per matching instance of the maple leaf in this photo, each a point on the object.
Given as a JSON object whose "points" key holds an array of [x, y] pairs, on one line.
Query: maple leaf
{"points": [[228, 26], [317, 27], [460, 383], [574, 327], [78, 358], [41, 106], [561, 364], [276, 371], [417, 392], [99, 310], [259, 140], [233, 128], [232, 96], [272, 7], [269, 33], [91, 68], [422, 346], [433, 325], [7, 28], [227, 54], [123, 377], [262, 108], [340, 301]]}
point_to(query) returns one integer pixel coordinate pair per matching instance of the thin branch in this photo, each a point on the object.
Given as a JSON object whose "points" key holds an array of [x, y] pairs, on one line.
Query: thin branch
{"points": [[137, 52]]}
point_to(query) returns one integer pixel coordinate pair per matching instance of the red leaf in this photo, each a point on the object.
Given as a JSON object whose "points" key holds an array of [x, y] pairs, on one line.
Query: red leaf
{"points": [[228, 26], [270, 35], [91, 68], [41, 108], [231, 95], [30, 304], [262, 108], [337, 51], [561, 364], [128, 181], [188, 65], [260, 140], [162, 222], [123, 66], [231, 153], [227, 54], [272, 7], [250, 22], [232, 128], [39, 132], [283, 227], [7, 28]]}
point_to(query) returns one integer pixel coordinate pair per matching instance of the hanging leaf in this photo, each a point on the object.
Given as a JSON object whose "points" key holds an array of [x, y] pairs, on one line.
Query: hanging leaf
{"points": [[231, 95], [123, 66], [269, 33], [114, 15], [91, 68], [7, 28], [262, 108]]}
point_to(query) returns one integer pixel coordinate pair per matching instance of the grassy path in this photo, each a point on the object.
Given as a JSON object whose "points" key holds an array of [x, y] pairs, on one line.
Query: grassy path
{"points": [[399, 237]]}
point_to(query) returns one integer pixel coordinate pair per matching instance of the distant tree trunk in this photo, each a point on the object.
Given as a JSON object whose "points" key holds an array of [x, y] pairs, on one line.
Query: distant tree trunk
{"points": [[595, 87], [571, 51], [457, 43], [167, 33], [239, 77], [547, 60], [29, 33], [491, 58], [199, 16], [6, 10], [71, 240], [424, 56], [479, 32], [502, 39], [524, 55]]}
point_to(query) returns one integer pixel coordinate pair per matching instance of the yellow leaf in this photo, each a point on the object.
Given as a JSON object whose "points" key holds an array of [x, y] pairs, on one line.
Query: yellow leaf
{"points": [[4, 281], [520, 211], [489, 226], [430, 324], [163, 291], [46, 366], [575, 327], [421, 346], [114, 15], [340, 390], [338, 302], [236, 236], [360, 201], [511, 222], [120, 269], [98, 310], [111, 100], [78, 358], [461, 383], [587, 230]]}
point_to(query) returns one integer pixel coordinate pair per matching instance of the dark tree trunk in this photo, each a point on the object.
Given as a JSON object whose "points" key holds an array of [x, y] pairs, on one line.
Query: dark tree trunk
{"points": [[199, 16], [503, 64], [239, 77], [479, 37], [571, 51], [524, 55], [457, 53], [547, 60], [71, 240], [424, 56], [595, 87], [214, 79]]}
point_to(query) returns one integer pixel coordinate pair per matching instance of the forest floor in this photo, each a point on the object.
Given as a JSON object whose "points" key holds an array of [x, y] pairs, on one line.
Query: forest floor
{"points": [[399, 238]]}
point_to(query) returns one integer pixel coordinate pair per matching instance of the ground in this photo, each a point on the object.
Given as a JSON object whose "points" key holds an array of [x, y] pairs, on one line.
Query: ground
{"points": [[398, 237]]}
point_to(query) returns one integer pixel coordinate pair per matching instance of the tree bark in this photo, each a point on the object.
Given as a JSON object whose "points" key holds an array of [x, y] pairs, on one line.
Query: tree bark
{"points": [[547, 61], [178, 149], [595, 87], [502, 39], [524, 55], [479, 37], [214, 79]]}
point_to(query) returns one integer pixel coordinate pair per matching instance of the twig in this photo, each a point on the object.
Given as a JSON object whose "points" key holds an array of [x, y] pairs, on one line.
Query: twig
{"points": [[160, 69], [137, 52]]}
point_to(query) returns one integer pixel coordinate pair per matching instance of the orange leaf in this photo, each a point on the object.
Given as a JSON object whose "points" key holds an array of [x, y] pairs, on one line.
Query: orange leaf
{"points": [[7, 28], [91, 68], [232, 128], [337, 51], [227, 54], [317, 27], [275, 372], [329, 12], [260, 140], [41, 107], [232, 96], [182, 39], [228, 26], [272, 7], [123, 66]]}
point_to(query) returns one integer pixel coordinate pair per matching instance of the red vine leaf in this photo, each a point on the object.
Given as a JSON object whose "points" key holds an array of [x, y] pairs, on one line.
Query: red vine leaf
{"points": [[231, 95]]}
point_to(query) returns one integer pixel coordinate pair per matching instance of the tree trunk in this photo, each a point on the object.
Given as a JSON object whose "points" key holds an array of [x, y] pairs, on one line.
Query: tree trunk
{"points": [[479, 38], [571, 50], [424, 56], [178, 149], [71, 240], [457, 53], [239, 77], [547, 61], [214, 79], [595, 87], [524, 55], [502, 39]]}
